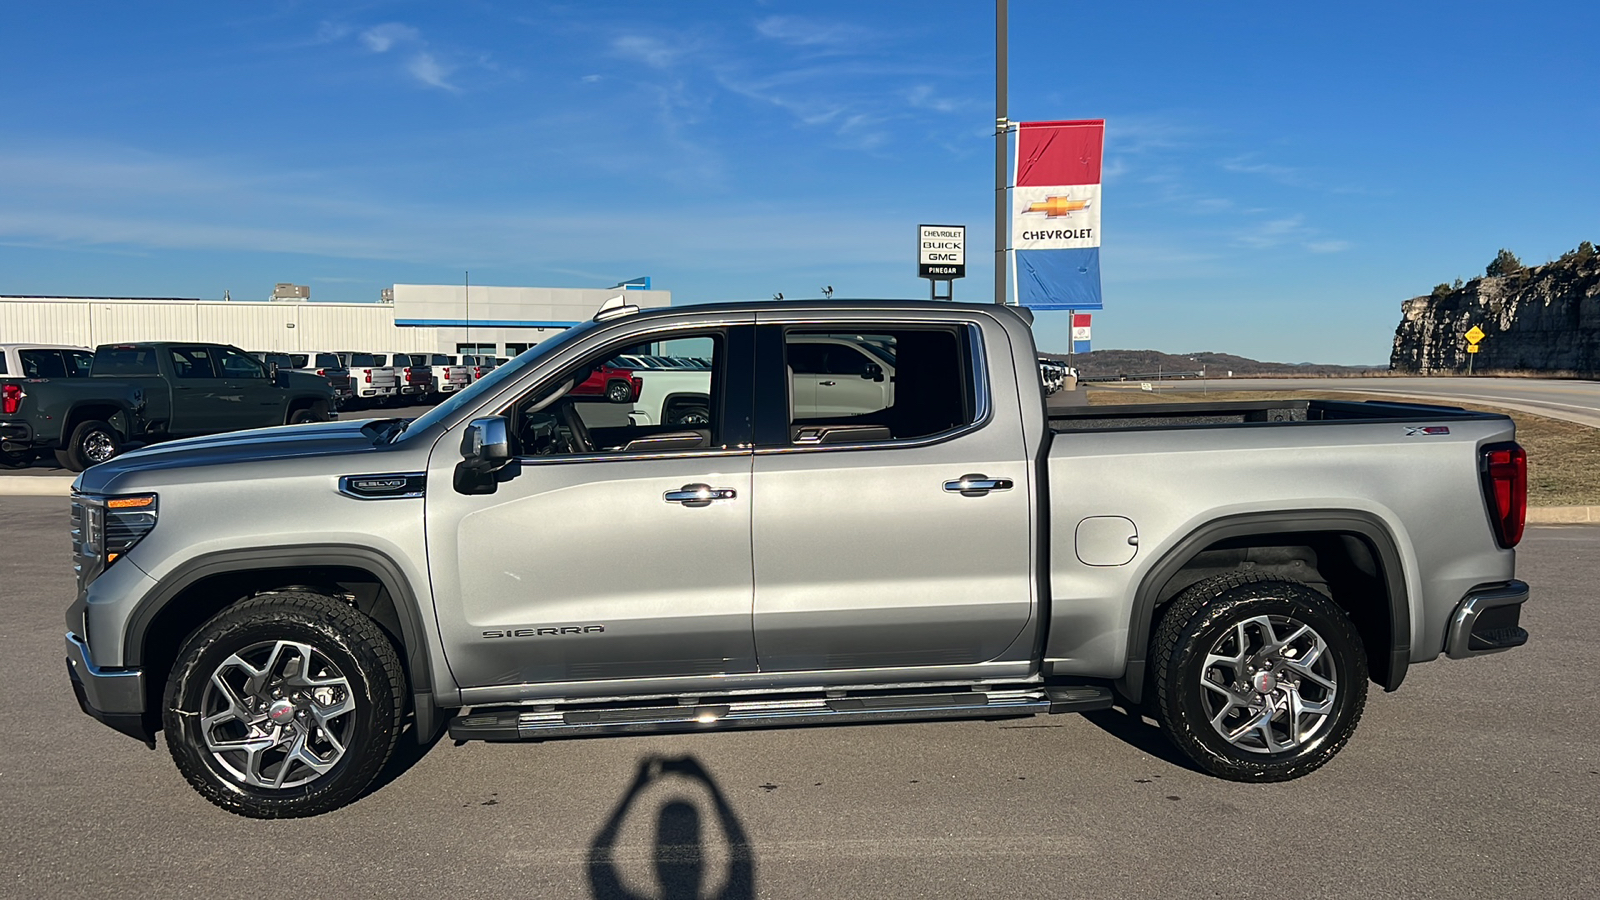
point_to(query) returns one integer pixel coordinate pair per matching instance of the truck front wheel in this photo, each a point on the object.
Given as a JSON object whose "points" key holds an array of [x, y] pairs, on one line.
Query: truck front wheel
{"points": [[1258, 679], [91, 443], [285, 705]]}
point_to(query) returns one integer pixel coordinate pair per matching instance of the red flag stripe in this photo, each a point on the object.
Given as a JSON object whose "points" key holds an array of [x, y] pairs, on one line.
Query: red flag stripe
{"points": [[1059, 153]]}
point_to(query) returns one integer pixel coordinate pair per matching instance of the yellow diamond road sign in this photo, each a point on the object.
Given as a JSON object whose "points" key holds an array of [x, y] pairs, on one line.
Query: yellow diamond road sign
{"points": [[1475, 335]]}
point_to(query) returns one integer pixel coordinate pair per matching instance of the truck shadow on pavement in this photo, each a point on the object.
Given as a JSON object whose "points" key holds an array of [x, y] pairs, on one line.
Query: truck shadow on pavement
{"points": [[407, 753], [1134, 730], [682, 860]]}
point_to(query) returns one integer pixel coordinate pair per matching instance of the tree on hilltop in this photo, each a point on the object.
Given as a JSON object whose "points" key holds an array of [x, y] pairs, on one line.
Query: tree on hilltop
{"points": [[1505, 263]]}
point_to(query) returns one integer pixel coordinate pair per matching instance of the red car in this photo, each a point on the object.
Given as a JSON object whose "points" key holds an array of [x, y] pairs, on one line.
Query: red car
{"points": [[614, 383]]}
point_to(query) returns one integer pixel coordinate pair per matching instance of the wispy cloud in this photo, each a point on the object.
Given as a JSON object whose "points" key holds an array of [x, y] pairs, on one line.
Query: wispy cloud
{"points": [[383, 38], [1328, 246], [812, 34], [652, 51], [147, 203], [1272, 233], [428, 70]]}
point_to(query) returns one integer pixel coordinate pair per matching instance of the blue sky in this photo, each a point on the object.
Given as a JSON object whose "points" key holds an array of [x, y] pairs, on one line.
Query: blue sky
{"points": [[1279, 177]]}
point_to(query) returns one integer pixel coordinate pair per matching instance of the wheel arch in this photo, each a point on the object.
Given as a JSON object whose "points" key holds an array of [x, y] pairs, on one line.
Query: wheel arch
{"points": [[1388, 647], [110, 413], [200, 588]]}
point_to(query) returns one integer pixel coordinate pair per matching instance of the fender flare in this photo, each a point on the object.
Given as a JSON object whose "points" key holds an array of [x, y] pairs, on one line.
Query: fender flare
{"points": [[1347, 521], [413, 634]]}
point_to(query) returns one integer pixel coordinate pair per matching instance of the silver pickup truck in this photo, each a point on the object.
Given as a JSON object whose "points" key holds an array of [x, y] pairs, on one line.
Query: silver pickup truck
{"points": [[519, 564]]}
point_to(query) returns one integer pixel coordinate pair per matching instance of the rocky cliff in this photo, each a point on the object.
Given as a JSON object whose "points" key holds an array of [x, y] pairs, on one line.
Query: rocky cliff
{"points": [[1540, 319]]}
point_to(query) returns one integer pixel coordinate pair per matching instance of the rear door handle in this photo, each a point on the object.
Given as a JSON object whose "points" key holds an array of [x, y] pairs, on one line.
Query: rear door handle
{"points": [[977, 485], [698, 495], [827, 383]]}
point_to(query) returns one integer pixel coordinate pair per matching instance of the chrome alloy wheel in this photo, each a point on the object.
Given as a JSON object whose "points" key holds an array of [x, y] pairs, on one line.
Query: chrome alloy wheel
{"points": [[277, 714], [99, 447], [1270, 684]]}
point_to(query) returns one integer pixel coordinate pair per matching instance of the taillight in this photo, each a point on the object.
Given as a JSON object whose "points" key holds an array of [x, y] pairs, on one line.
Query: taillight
{"points": [[321, 373], [638, 385], [11, 398], [369, 376], [1505, 487]]}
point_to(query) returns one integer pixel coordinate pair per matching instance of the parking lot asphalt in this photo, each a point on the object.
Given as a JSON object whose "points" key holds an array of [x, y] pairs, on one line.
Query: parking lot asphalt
{"points": [[1478, 778]]}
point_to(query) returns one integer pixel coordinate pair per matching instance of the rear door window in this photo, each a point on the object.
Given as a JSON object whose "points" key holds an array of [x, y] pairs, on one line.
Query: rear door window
{"points": [[42, 363], [192, 362]]}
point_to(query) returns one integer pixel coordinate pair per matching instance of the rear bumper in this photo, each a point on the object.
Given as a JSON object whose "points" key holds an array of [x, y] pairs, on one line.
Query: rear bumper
{"points": [[16, 436], [114, 697], [1486, 621]]}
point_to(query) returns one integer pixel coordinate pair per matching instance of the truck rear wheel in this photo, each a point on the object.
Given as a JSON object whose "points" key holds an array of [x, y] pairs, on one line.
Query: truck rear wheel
{"points": [[285, 705], [91, 443], [1258, 679]]}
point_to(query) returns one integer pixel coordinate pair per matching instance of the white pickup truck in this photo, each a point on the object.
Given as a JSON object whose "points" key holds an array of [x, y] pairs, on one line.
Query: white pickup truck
{"points": [[372, 381]]}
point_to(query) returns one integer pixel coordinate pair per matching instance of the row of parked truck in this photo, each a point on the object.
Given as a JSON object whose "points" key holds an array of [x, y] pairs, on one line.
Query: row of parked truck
{"points": [[85, 406]]}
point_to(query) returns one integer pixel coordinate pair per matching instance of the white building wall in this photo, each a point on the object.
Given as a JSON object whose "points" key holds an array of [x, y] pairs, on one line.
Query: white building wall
{"points": [[423, 318]]}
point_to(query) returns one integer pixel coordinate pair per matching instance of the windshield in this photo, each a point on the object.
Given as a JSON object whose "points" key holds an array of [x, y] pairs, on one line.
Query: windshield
{"points": [[491, 382]]}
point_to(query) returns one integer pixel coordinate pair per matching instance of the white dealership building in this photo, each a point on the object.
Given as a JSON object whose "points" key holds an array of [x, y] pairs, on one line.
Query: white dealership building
{"points": [[500, 321]]}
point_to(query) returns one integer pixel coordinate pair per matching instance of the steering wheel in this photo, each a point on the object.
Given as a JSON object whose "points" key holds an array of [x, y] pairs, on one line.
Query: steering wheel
{"points": [[579, 432]]}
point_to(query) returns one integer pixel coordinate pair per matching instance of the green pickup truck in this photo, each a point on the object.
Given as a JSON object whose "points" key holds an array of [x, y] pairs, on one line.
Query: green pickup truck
{"points": [[149, 392]]}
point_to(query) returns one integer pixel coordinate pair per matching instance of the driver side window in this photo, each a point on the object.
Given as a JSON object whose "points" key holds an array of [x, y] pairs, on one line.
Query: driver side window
{"points": [[606, 405]]}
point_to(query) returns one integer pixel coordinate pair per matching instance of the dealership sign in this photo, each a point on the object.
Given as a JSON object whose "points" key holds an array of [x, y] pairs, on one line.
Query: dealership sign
{"points": [[941, 252], [1055, 214]]}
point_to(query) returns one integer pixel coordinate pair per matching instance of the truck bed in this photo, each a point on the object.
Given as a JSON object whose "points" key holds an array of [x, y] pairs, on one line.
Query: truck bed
{"points": [[1247, 412]]}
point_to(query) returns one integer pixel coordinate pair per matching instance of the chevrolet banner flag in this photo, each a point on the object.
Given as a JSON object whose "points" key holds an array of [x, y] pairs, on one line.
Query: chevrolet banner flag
{"points": [[1080, 332], [1055, 214]]}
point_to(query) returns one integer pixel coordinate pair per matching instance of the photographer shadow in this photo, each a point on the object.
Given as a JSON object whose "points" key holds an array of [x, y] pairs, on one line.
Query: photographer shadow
{"points": [[680, 857]]}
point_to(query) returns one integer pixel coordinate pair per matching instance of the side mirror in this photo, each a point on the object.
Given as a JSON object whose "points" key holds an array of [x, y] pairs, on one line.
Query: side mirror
{"points": [[874, 372], [485, 451]]}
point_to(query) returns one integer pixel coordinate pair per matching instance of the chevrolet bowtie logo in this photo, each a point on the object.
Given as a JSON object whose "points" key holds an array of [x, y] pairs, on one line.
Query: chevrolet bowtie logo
{"points": [[1058, 206]]}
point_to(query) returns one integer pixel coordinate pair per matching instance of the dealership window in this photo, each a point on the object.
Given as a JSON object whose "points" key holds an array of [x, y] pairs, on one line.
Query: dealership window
{"points": [[877, 385], [476, 349], [598, 407]]}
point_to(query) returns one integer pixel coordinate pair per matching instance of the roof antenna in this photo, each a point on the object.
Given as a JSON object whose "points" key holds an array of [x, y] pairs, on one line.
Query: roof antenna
{"points": [[827, 292], [778, 296]]}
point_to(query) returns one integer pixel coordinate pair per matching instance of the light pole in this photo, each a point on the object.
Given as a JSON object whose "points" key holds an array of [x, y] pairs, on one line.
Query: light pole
{"points": [[1000, 127]]}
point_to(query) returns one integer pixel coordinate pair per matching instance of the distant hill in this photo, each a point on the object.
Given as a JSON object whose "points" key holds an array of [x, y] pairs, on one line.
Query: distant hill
{"points": [[1114, 363]]}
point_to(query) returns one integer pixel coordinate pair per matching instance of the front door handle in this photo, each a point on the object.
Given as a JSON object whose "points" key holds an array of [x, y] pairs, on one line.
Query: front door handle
{"points": [[977, 485], [827, 383], [698, 495]]}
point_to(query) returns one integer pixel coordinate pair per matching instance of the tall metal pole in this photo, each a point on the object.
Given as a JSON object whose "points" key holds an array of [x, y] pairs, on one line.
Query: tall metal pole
{"points": [[466, 293], [1000, 126]]}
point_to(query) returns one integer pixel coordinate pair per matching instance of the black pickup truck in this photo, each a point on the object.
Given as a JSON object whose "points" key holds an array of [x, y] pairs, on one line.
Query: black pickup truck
{"points": [[149, 392]]}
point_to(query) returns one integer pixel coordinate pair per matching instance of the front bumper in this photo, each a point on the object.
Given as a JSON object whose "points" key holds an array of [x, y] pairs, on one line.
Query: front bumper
{"points": [[113, 696], [1486, 621]]}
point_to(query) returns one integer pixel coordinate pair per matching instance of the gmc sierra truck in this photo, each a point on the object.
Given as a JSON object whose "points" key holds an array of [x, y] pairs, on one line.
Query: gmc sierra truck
{"points": [[282, 601]]}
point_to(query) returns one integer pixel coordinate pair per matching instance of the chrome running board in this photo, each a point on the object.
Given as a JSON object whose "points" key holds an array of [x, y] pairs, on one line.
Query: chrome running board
{"points": [[701, 714]]}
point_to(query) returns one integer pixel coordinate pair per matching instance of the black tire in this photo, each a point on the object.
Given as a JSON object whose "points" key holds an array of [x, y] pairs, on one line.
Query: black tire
{"points": [[309, 414], [92, 442], [619, 392], [16, 459], [689, 415], [346, 647], [1231, 614]]}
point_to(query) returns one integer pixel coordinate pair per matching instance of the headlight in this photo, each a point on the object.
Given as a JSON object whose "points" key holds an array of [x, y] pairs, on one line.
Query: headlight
{"points": [[104, 529]]}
